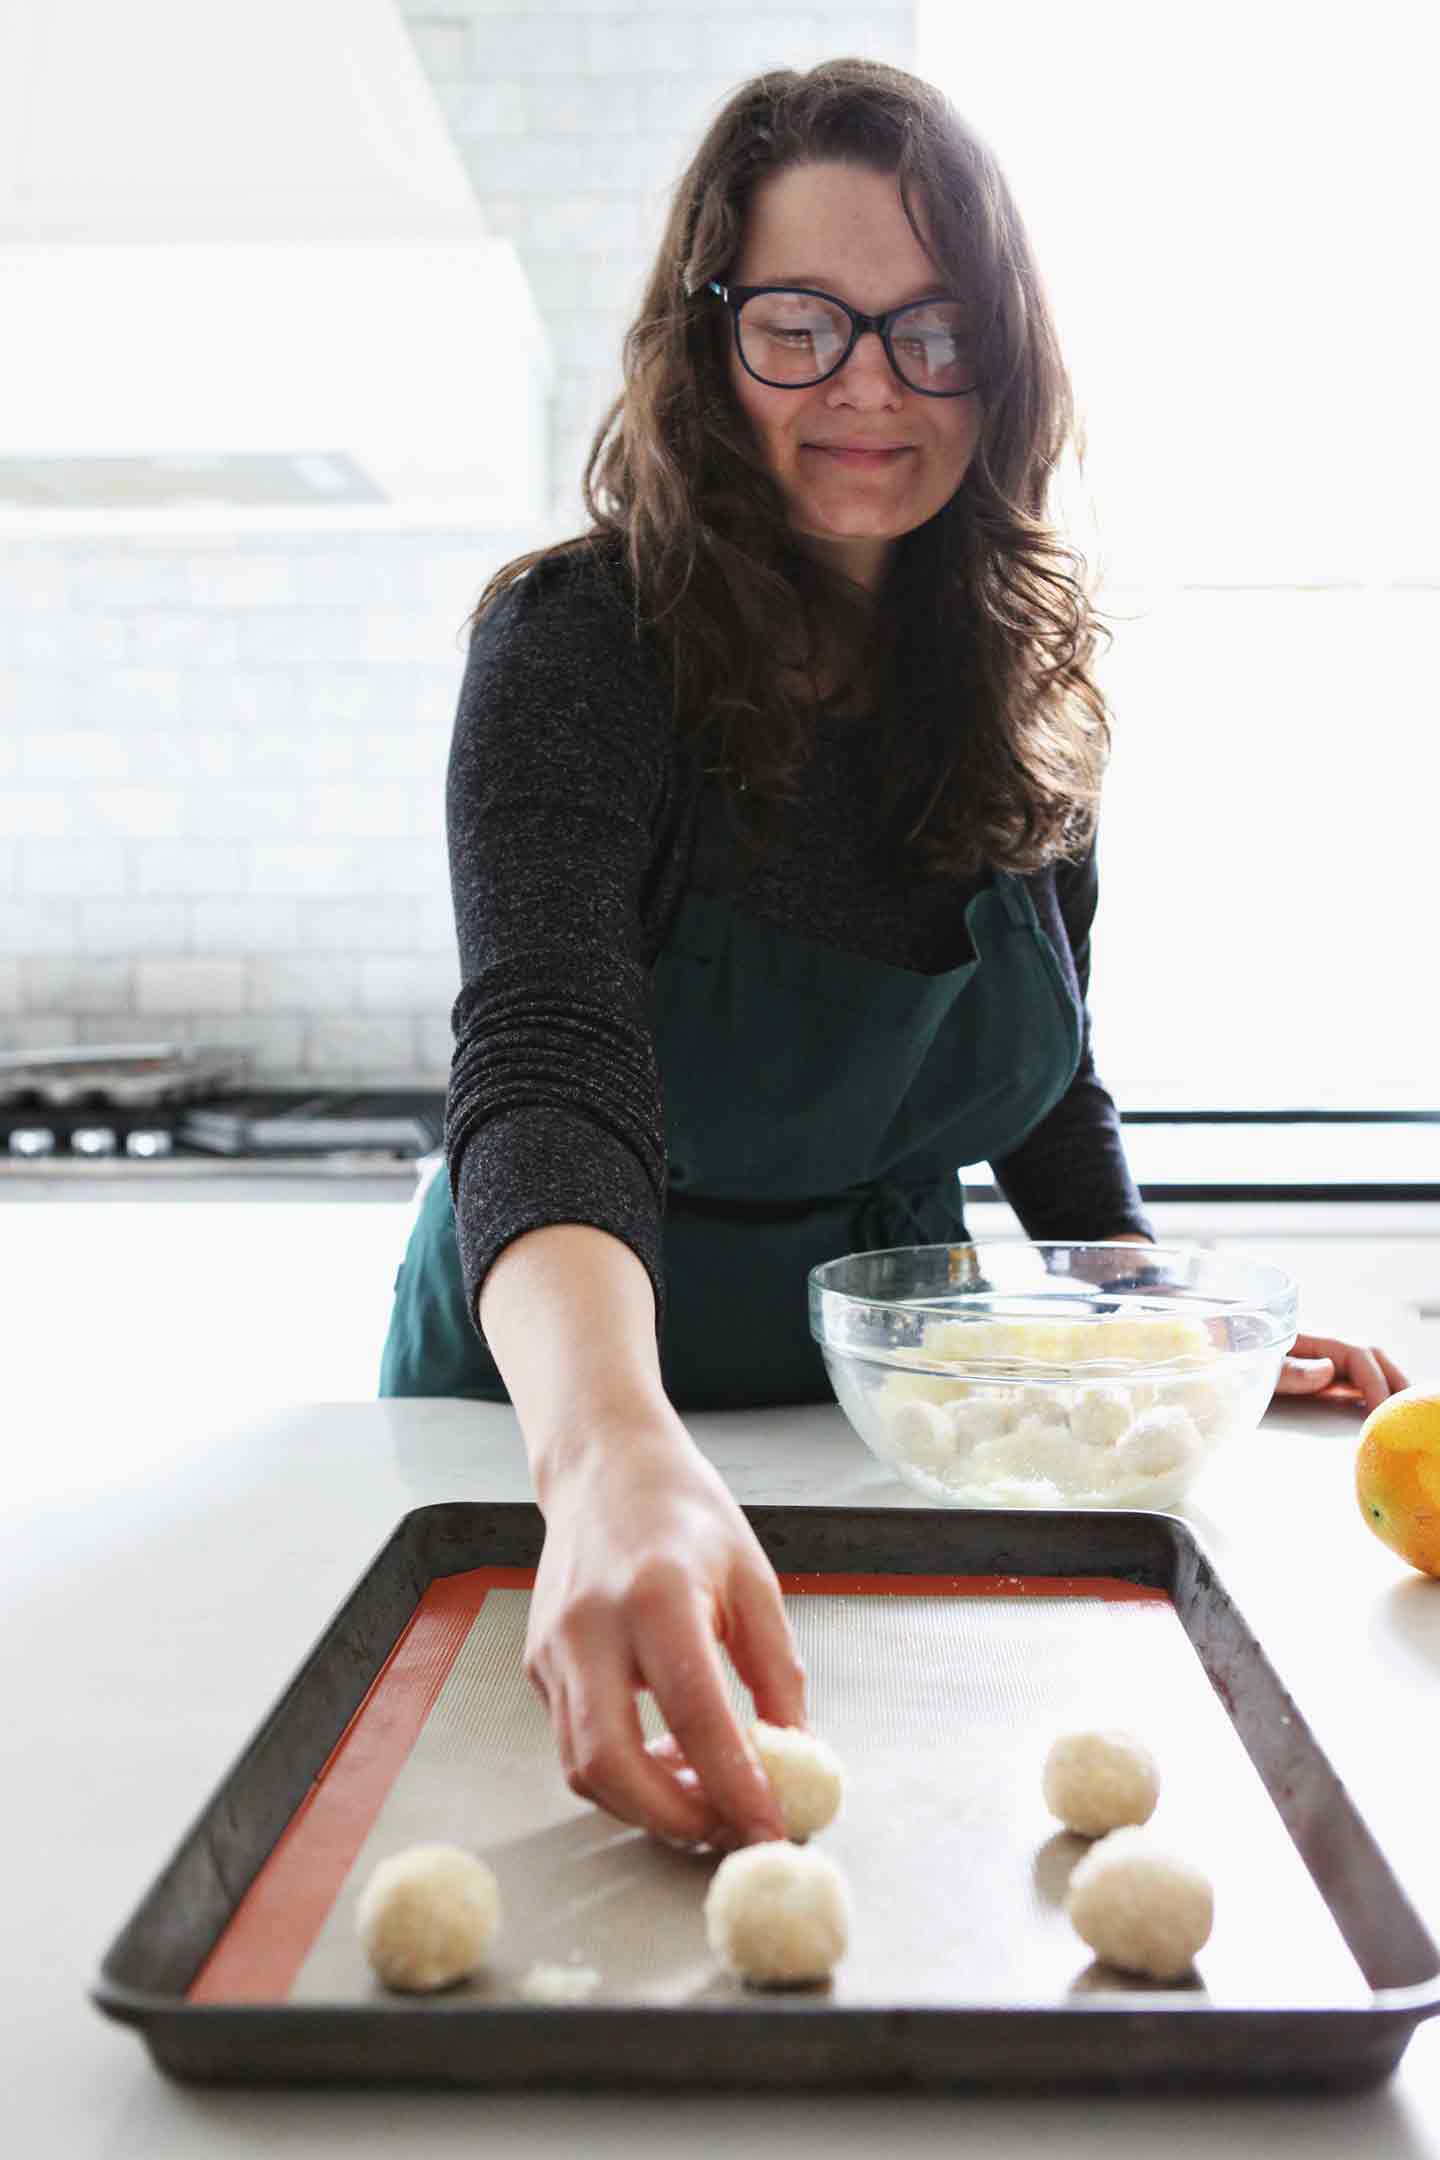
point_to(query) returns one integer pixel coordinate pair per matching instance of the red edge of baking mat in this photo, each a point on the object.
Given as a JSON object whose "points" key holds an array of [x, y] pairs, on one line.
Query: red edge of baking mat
{"points": [[273, 1927]]}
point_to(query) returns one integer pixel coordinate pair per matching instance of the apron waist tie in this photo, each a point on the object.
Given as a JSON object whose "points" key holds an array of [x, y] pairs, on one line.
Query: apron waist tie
{"points": [[888, 1211]]}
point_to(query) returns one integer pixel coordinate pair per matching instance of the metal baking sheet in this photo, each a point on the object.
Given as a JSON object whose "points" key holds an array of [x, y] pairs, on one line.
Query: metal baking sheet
{"points": [[944, 1651]]}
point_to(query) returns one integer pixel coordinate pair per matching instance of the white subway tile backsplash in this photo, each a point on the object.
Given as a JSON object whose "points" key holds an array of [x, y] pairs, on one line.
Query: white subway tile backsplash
{"points": [[37, 926], [243, 581], [243, 926], [192, 869], [361, 926], [524, 42], [192, 639], [358, 810], [132, 697], [138, 813], [124, 1028], [68, 640], [129, 925], [245, 811], [318, 984], [274, 1041], [485, 111], [74, 869], [44, 1032], [635, 44], [375, 695], [302, 752], [369, 1047], [247, 698], [113, 579], [32, 813], [187, 986], [413, 982], [70, 984], [416, 752], [359, 578], [87, 755], [328, 868], [189, 758], [301, 635], [436, 1042]]}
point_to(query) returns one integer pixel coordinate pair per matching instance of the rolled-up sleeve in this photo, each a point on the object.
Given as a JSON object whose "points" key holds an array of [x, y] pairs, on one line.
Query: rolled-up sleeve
{"points": [[558, 776], [1069, 1178]]}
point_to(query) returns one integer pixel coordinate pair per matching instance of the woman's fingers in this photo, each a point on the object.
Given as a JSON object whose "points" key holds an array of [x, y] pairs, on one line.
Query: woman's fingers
{"points": [[1316, 1361], [677, 1654], [762, 1648], [605, 1759]]}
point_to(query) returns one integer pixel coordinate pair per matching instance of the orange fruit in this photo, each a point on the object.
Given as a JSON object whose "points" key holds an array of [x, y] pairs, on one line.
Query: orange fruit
{"points": [[1397, 1475]]}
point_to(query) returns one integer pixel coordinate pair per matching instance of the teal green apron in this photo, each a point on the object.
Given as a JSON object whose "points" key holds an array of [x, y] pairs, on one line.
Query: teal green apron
{"points": [[816, 1103]]}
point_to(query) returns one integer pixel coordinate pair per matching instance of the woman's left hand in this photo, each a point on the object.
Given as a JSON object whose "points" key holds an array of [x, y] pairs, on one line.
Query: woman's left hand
{"points": [[1340, 1371], [1323, 1365]]}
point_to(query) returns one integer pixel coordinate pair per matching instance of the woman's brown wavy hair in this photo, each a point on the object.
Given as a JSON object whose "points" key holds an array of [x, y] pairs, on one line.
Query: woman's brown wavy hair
{"points": [[996, 737]]}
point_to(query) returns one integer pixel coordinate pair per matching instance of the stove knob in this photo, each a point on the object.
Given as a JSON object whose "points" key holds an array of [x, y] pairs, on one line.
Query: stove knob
{"points": [[92, 1140], [32, 1140], [147, 1144]]}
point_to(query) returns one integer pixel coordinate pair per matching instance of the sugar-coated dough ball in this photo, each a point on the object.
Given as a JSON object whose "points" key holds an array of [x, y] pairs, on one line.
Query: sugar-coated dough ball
{"points": [[806, 1776], [921, 1434], [1097, 1781], [427, 1916], [1160, 1440], [982, 1418], [1100, 1415], [1203, 1399], [778, 1914], [1140, 1906]]}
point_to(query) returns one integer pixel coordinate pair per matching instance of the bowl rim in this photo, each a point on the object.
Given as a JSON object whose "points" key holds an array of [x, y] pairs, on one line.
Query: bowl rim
{"points": [[1277, 1300]]}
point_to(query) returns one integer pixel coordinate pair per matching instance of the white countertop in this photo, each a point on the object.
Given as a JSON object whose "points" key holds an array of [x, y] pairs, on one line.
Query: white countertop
{"points": [[163, 1578]]}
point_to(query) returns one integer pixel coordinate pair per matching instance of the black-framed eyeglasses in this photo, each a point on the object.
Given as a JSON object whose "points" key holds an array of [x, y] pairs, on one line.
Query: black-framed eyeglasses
{"points": [[792, 337]]}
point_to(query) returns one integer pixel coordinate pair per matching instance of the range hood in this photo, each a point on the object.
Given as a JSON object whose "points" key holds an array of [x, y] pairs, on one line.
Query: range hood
{"points": [[245, 282]]}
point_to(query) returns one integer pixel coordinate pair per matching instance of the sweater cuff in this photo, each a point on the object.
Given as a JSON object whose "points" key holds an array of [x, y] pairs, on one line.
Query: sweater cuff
{"points": [[529, 1167]]}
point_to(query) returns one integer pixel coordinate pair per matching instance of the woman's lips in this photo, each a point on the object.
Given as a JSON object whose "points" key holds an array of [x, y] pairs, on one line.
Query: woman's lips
{"points": [[872, 458]]}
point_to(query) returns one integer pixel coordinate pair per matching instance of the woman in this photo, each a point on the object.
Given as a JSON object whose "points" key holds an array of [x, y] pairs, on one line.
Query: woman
{"points": [[772, 811]]}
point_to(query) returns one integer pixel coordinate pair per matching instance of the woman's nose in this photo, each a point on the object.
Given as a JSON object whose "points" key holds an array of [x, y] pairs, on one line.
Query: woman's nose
{"points": [[867, 374]]}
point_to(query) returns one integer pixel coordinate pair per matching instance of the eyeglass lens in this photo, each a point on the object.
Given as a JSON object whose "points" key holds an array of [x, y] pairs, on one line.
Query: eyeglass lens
{"points": [[794, 338]]}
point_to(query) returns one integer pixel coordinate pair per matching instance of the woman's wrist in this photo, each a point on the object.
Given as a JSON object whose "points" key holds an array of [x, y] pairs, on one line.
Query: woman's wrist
{"points": [[636, 1427]]}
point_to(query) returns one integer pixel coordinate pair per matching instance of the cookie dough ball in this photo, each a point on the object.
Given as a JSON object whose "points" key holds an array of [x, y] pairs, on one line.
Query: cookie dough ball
{"points": [[1140, 1906], [427, 1916], [921, 1434], [1155, 1464], [1101, 1415], [778, 1914], [1099, 1781], [805, 1774], [983, 1418]]}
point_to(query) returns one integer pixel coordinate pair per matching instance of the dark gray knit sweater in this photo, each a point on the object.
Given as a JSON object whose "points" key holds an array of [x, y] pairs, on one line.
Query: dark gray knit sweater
{"points": [[571, 816]]}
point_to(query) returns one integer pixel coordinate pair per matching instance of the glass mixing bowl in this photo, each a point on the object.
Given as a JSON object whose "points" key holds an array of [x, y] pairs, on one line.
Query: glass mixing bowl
{"points": [[1010, 1374]]}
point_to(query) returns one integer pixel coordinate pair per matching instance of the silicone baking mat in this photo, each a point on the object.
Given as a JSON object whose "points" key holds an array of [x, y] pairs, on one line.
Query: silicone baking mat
{"points": [[940, 1696]]}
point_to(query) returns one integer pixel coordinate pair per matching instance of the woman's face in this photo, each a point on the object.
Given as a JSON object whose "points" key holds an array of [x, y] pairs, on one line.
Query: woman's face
{"points": [[842, 229]]}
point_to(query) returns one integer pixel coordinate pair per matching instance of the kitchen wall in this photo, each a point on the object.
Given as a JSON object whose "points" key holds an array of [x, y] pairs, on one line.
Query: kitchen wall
{"points": [[221, 761]]}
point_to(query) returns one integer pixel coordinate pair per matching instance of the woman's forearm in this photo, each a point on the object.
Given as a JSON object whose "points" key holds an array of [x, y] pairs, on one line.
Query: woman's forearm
{"points": [[569, 1314]]}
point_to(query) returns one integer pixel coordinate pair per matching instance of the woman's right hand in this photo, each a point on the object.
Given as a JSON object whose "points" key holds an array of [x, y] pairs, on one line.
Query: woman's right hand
{"points": [[648, 1567]]}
